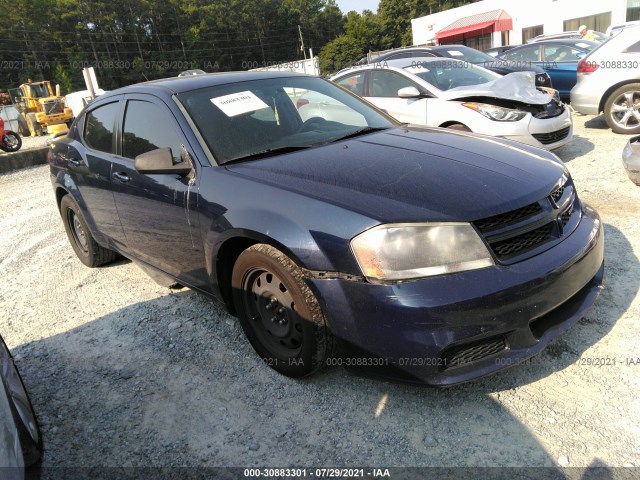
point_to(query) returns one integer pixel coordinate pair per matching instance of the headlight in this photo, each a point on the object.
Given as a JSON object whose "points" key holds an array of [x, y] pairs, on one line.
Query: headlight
{"points": [[500, 114], [407, 251]]}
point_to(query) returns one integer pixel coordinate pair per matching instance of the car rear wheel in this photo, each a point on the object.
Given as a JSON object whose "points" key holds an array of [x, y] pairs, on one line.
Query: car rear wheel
{"points": [[279, 313], [87, 249], [622, 109]]}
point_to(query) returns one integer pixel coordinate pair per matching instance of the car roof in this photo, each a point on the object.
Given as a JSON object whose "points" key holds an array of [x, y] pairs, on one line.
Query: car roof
{"points": [[561, 41], [176, 85], [407, 62]]}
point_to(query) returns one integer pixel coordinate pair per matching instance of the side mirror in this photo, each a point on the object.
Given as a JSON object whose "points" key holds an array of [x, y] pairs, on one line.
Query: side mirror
{"points": [[409, 92], [160, 161], [581, 55]]}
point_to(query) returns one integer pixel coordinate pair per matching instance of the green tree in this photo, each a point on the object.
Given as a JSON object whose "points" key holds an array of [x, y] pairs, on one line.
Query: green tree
{"points": [[339, 53]]}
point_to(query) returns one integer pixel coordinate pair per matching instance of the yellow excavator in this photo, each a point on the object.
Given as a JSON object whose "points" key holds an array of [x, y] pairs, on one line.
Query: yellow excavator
{"points": [[43, 110]]}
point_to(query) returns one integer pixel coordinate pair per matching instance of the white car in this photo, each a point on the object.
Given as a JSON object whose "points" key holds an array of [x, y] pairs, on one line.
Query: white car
{"points": [[450, 93], [609, 82]]}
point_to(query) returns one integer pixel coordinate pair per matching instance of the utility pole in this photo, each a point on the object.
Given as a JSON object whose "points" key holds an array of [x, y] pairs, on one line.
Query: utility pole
{"points": [[302, 43]]}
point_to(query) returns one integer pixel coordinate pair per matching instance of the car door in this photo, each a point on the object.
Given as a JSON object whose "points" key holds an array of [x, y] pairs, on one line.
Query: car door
{"points": [[561, 63], [158, 212], [89, 165], [382, 91]]}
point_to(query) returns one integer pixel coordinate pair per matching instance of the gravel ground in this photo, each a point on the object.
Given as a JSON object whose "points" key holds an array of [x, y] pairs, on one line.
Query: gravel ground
{"points": [[125, 373]]}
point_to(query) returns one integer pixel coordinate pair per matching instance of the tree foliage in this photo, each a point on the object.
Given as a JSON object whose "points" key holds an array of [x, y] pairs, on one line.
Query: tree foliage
{"points": [[129, 41]]}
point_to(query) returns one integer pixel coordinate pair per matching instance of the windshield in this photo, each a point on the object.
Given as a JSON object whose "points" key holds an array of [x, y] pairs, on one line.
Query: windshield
{"points": [[466, 54], [38, 90], [447, 74], [253, 119]]}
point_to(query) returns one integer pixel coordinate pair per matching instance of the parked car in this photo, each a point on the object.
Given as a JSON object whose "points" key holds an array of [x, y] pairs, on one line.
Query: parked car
{"points": [[609, 82], [427, 255], [20, 441], [448, 93], [495, 51], [558, 57], [195, 71], [570, 35], [470, 55], [631, 159]]}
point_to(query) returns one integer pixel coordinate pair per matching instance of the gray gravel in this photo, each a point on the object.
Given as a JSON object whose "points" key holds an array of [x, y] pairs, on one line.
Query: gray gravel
{"points": [[123, 372]]}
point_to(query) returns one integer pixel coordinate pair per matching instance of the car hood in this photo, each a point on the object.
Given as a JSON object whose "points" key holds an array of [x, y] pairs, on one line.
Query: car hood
{"points": [[518, 86], [414, 174]]}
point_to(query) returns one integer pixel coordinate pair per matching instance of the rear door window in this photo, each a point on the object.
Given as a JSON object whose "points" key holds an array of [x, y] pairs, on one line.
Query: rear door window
{"points": [[99, 127]]}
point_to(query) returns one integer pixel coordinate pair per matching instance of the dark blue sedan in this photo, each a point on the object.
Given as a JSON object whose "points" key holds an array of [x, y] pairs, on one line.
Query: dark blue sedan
{"points": [[422, 254], [558, 57]]}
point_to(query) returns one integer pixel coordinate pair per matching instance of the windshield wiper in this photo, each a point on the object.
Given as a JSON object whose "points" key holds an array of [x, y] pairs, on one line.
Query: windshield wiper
{"points": [[268, 152], [357, 133]]}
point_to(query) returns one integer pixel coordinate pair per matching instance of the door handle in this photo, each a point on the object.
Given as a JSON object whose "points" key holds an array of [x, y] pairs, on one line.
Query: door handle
{"points": [[75, 161], [123, 177]]}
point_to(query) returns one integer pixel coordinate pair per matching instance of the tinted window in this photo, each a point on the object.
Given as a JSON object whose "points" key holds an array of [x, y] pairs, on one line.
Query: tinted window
{"points": [[525, 54], [385, 83], [561, 53], [353, 83], [147, 127], [98, 130]]}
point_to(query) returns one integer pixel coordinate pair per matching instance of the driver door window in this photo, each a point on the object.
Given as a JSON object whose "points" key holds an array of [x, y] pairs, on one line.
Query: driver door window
{"points": [[147, 127], [526, 54]]}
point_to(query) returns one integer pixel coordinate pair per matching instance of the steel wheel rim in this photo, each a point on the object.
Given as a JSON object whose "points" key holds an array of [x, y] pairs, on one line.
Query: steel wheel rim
{"points": [[625, 111], [272, 313], [79, 235]]}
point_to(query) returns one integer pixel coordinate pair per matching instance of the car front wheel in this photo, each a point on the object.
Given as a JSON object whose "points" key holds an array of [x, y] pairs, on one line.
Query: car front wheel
{"points": [[279, 313], [87, 249], [622, 109]]}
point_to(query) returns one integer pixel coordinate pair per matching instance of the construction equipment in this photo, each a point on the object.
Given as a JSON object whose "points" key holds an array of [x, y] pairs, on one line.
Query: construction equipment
{"points": [[44, 110]]}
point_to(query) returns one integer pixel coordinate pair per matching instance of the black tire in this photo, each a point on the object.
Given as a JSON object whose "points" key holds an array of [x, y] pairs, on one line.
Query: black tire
{"points": [[35, 129], [621, 120], [279, 313], [459, 126], [87, 249], [11, 142]]}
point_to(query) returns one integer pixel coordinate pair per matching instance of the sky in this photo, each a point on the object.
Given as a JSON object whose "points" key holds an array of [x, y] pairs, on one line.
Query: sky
{"points": [[358, 5]]}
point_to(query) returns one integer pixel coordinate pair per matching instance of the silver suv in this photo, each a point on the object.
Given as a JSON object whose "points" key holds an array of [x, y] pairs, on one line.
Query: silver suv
{"points": [[609, 82]]}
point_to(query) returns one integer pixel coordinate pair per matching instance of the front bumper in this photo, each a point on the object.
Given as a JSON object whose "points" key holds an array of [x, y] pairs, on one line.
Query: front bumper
{"points": [[631, 159], [541, 132], [448, 329]]}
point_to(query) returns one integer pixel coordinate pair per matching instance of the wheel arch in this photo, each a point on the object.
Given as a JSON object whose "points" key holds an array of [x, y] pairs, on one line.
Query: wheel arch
{"points": [[612, 89], [454, 122], [227, 254], [60, 192]]}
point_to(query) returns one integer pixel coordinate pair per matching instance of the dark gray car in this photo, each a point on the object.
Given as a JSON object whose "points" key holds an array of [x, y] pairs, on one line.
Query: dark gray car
{"points": [[20, 443]]}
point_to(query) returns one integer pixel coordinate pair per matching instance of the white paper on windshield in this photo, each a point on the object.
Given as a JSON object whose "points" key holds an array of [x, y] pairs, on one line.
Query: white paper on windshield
{"points": [[583, 45], [455, 53], [238, 103]]}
